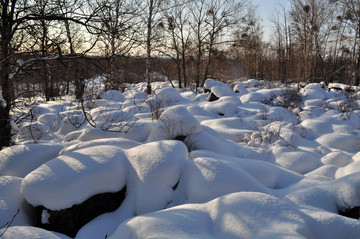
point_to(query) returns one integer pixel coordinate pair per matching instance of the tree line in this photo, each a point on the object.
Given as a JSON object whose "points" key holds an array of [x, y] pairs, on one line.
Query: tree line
{"points": [[46, 46]]}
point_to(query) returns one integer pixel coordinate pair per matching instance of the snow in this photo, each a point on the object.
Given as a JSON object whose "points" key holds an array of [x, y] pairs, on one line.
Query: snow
{"points": [[235, 215], [31, 232], [19, 160], [242, 166], [74, 174], [11, 200], [175, 122], [113, 95]]}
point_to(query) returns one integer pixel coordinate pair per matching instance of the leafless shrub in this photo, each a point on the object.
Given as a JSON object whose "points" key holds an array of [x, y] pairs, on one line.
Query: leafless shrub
{"points": [[289, 99], [109, 119], [347, 106], [157, 107]]}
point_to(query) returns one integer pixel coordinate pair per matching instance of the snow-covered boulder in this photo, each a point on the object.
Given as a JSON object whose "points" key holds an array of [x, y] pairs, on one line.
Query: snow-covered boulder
{"points": [[242, 213], [209, 83], [300, 162], [351, 168], [338, 158], [30, 232], [113, 95], [152, 185], [240, 89], [74, 188], [222, 108], [74, 174], [168, 96], [217, 92], [342, 141], [252, 97], [313, 91], [175, 123], [155, 174], [136, 95], [118, 142], [11, 200], [19, 160], [50, 119]]}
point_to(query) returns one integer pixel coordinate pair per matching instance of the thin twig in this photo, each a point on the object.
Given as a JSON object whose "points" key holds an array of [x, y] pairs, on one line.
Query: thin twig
{"points": [[8, 224]]}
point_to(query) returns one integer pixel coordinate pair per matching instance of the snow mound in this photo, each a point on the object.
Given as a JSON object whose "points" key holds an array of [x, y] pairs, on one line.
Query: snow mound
{"points": [[349, 169], [337, 158], [175, 123], [118, 142], [300, 162], [31, 232], [19, 160], [341, 141], [252, 97], [206, 178], [330, 196], [156, 169], [10, 201], [168, 96], [235, 215], [220, 91], [313, 91], [209, 83], [240, 89], [113, 95], [50, 119], [226, 109], [81, 174]]}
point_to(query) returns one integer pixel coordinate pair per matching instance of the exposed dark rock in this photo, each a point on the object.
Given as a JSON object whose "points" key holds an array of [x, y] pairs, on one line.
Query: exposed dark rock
{"points": [[176, 185], [180, 138], [213, 97], [351, 212], [68, 221]]}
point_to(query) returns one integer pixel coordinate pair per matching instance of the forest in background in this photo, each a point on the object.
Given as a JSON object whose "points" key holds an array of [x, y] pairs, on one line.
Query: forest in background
{"points": [[48, 47]]}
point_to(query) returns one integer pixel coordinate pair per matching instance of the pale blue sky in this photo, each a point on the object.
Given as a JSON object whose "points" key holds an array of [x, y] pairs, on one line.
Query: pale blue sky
{"points": [[265, 11]]}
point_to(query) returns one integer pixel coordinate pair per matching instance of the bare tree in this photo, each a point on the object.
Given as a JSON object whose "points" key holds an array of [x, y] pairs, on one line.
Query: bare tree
{"points": [[117, 28], [282, 44], [351, 18], [210, 19], [248, 39], [311, 24], [177, 28], [16, 17]]}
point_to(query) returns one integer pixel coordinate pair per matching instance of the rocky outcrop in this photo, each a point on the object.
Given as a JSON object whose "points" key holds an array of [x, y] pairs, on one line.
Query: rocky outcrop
{"points": [[351, 212], [69, 221]]}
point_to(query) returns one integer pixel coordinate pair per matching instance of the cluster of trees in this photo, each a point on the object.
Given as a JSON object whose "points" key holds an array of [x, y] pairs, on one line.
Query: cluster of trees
{"points": [[319, 40], [48, 45]]}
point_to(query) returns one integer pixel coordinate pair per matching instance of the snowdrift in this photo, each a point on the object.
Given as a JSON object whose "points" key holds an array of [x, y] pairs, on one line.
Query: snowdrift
{"points": [[245, 161]]}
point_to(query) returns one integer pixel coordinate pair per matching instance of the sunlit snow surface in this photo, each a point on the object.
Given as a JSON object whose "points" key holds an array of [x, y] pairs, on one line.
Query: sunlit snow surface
{"points": [[242, 166]]}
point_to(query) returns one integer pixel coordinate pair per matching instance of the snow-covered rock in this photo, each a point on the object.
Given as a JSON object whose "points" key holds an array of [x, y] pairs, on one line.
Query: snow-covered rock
{"points": [[74, 177], [19, 160], [113, 95], [175, 123]]}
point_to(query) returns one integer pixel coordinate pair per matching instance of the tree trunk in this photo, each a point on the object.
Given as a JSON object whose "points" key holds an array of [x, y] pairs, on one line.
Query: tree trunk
{"points": [[184, 68], [5, 106], [148, 44]]}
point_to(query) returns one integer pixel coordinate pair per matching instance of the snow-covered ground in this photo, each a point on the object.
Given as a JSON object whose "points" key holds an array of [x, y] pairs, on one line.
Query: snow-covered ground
{"points": [[246, 161]]}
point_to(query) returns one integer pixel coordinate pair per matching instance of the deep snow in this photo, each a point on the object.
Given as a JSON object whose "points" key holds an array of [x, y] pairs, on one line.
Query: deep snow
{"points": [[248, 165]]}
